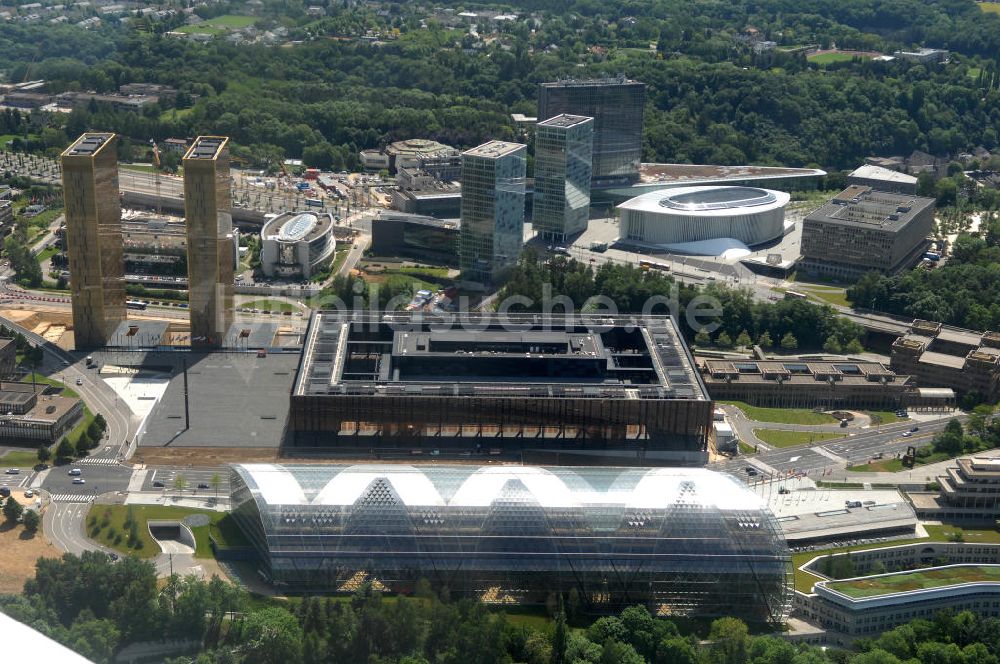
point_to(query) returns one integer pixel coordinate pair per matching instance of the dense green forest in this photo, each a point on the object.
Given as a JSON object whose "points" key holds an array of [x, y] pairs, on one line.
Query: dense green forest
{"points": [[96, 607], [965, 291], [723, 313], [710, 98]]}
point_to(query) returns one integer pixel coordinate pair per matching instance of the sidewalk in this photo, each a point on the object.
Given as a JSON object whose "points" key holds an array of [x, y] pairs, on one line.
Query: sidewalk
{"points": [[918, 475]]}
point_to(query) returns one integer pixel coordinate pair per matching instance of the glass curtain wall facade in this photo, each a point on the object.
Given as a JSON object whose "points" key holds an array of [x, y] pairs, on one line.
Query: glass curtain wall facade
{"points": [[493, 195], [563, 152], [94, 238], [617, 106], [210, 245], [684, 542]]}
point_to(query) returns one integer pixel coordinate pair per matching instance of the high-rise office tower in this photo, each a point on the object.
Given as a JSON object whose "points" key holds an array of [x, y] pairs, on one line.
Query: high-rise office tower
{"points": [[210, 247], [492, 231], [563, 152], [94, 238], [617, 105]]}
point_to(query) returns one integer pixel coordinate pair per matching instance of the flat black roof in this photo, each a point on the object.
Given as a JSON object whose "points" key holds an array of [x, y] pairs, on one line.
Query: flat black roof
{"points": [[206, 147], [376, 353], [88, 144]]}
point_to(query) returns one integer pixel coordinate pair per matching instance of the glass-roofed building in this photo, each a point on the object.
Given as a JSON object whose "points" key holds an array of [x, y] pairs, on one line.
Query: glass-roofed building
{"points": [[686, 542]]}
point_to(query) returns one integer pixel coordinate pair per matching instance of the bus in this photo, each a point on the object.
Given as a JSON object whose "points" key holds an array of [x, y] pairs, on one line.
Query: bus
{"points": [[314, 202], [136, 304], [650, 265], [794, 295]]}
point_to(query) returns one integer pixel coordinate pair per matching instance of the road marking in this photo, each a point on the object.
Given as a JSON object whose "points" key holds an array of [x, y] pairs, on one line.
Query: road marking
{"points": [[91, 461], [70, 498]]}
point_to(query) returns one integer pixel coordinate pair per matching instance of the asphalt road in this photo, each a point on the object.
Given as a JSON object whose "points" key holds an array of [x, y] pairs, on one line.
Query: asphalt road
{"points": [[192, 478]]}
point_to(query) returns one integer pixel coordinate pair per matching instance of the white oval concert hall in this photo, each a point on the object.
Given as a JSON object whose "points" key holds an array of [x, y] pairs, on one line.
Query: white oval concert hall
{"points": [[691, 214]]}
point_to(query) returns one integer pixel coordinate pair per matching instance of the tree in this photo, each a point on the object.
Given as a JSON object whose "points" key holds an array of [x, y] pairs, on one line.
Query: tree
{"points": [[831, 345], [702, 338], [675, 650], [31, 520], [272, 636], [65, 449], [12, 510], [723, 340], [764, 340], [743, 340], [854, 347], [216, 481], [83, 444], [789, 342], [729, 637], [559, 636], [180, 482], [102, 424], [44, 453]]}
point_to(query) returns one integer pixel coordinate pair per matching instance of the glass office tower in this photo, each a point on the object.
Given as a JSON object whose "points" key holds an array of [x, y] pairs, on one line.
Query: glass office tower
{"points": [[617, 105], [492, 231], [684, 542], [210, 245], [94, 238], [563, 152]]}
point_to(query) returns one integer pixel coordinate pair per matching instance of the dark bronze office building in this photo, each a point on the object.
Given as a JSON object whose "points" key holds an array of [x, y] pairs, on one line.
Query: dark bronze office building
{"points": [[94, 243], [210, 245], [602, 389]]}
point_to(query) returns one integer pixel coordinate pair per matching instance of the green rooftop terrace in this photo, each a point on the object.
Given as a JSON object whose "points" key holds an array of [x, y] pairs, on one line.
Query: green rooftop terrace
{"points": [[923, 579]]}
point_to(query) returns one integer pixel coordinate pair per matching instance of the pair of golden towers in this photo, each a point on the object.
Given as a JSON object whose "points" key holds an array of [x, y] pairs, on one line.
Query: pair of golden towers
{"points": [[95, 247]]}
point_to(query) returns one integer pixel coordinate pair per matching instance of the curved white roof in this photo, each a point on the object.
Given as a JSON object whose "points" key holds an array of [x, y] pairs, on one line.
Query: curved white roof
{"points": [[298, 227], [709, 201], [464, 486]]}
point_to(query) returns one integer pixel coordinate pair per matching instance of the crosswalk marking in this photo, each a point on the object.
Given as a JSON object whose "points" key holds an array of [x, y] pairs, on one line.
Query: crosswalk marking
{"points": [[70, 498], [89, 461]]}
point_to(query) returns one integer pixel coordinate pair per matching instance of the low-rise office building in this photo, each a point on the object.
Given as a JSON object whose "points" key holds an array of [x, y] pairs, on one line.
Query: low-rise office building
{"points": [[969, 490], [923, 55], [619, 389], [30, 416], [863, 230], [297, 244], [806, 384], [868, 606], [938, 356], [883, 179]]}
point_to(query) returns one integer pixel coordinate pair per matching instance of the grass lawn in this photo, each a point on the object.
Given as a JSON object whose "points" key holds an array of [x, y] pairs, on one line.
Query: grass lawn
{"points": [[990, 7], [47, 253], [945, 532], [973, 72], [915, 580], [20, 458], [219, 24], [746, 449], [827, 294], [269, 305], [106, 524], [804, 580], [142, 168], [886, 416], [783, 415], [827, 58], [880, 466], [779, 438]]}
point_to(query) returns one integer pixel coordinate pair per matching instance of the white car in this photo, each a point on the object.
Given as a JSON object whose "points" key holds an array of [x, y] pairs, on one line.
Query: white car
{"points": [[907, 434], [79, 381], [79, 480]]}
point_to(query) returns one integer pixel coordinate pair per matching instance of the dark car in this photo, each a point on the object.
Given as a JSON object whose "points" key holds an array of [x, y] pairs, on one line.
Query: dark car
{"points": [[158, 485], [202, 485], [914, 428], [751, 470]]}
